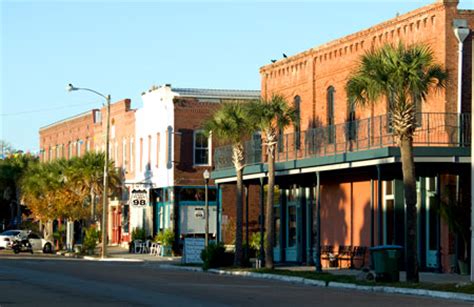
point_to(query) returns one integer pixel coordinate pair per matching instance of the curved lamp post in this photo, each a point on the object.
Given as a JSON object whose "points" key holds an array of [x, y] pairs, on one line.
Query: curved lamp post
{"points": [[206, 176], [105, 201]]}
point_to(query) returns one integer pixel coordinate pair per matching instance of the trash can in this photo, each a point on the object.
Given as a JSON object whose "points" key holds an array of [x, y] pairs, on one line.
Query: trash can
{"points": [[385, 259]]}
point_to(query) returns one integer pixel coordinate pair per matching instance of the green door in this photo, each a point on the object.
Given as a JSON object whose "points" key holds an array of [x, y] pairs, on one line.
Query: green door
{"points": [[293, 248], [431, 219]]}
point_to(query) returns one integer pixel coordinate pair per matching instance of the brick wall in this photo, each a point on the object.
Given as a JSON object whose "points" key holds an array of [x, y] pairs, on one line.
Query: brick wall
{"points": [[309, 74]]}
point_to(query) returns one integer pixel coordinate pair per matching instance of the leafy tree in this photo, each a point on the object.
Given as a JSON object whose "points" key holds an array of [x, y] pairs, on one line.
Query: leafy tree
{"points": [[271, 117], [12, 169], [231, 124], [403, 75]]}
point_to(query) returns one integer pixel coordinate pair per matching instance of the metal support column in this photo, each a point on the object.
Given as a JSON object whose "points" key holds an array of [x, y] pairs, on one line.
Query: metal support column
{"points": [[317, 222]]}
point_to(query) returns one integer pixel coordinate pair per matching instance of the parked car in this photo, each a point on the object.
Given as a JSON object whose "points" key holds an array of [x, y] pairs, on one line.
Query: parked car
{"points": [[7, 237], [38, 243]]}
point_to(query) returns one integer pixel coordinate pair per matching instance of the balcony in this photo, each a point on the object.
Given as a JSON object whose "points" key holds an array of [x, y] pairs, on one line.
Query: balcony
{"points": [[433, 130]]}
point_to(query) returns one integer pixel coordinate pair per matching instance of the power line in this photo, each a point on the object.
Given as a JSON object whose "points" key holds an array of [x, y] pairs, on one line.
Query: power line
{"points": [[47, 109]]}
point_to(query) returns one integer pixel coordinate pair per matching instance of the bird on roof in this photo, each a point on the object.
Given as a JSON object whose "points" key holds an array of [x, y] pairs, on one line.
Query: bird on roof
{"points": [[285, 56], [273, 61]]}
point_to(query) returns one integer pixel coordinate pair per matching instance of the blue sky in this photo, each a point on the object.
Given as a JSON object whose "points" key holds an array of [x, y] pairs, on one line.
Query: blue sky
{"points": [[123, 47]]}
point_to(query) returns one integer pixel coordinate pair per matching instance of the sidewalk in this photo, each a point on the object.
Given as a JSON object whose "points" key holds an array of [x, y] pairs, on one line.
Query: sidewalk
{"points": [[118, 253]]}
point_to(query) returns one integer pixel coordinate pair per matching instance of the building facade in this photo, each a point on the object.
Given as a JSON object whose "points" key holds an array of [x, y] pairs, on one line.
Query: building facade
{"points": [[172, 153], [342, 161]]}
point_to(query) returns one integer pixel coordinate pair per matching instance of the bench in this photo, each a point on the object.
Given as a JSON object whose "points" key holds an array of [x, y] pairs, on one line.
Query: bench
{"points": [[345, 255]]}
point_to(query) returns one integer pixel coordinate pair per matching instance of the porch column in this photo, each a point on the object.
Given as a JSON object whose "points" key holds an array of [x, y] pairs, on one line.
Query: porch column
{"points": [[218, 201], [246, 256], [439, 269], [372, 213], [262, 220], [317, 224], [379, 204]]}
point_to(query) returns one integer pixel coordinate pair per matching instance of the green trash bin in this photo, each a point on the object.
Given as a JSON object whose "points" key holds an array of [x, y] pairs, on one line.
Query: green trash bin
{"points": [[385, 259]]}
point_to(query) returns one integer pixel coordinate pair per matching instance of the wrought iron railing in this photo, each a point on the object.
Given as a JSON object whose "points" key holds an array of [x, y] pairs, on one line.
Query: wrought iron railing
{"points": [[433, 129]]}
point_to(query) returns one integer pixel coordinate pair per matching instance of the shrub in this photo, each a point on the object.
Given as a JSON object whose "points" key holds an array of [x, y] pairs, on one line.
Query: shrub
{"points": [[213, 256], [166, 238], [60, 235], [255, 243], [138, 234], [90, 240]]}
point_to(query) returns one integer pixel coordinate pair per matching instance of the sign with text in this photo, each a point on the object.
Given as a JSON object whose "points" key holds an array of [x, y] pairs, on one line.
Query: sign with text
{"points": [[139, 197], [192, 250]]}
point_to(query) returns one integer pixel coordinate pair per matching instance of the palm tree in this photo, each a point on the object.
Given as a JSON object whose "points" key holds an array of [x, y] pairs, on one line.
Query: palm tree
{"points": [[403, 75], [230, 124], [88, 173], [271, 117]]}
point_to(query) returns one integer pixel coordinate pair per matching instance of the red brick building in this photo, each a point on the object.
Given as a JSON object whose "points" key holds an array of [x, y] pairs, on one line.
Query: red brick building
{"points": [[349, 154]]}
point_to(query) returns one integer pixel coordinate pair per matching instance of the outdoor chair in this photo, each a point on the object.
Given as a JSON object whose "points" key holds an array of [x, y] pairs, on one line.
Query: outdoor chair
{"points": [[138, 246], [327, 253], [358, 254], [344, 254], [155, 249]]}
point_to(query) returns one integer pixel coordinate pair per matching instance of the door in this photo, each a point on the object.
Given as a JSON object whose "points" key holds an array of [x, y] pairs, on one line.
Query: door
{"points": [[293, 225], [35, 241], [431, 220]]}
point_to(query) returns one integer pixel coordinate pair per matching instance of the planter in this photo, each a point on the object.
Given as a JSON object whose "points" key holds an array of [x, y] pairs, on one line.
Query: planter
{"points": [[165, 251], [463, 267]]}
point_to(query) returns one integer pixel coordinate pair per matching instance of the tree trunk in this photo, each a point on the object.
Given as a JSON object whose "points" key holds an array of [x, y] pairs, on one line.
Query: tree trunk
{"points": [[270, 231], [92, 196], [409, 183], [239, 218]]}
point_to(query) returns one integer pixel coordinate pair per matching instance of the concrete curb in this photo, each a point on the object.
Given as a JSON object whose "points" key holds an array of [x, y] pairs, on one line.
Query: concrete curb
{"points": [[182, 268], [90, 258], [332, 284]]}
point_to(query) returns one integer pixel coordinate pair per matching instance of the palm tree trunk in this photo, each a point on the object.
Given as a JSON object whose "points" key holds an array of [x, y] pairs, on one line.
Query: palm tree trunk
{"points": [[269, 209], [92, 195], [239, 218], [409, 183]]}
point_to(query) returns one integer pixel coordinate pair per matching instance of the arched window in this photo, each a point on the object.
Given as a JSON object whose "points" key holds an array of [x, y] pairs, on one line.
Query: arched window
{"points": [[330, 114], [297, 124]]}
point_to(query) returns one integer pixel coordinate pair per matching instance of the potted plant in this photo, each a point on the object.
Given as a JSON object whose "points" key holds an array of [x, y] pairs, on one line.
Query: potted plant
{"points": [[166, 239], [456, 214], [90, 240]]}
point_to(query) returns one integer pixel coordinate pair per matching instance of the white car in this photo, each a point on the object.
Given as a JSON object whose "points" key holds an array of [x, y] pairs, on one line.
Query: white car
{"points": [[7, 237], [40, 244]]}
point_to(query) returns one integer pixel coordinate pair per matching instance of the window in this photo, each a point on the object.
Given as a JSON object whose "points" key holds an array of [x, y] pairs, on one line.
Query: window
{"points": [[297, 106], [69, 150], [78, 148], [141, 154], [124, 153], [50, 154], [330, 114], [201, 148], [157, 149], [88, 145], [148, 165], [132, 161]]}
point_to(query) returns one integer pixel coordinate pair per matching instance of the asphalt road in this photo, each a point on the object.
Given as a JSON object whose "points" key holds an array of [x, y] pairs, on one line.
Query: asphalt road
{"points": [[53, 281]]}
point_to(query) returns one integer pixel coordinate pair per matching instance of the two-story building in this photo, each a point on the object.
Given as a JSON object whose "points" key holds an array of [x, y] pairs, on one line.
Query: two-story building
{"points": [[172, 152], [345, 158]]}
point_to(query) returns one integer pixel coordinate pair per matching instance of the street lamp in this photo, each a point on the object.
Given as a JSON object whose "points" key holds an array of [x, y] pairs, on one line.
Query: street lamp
{"points": [[105, 202], [205, 175]]}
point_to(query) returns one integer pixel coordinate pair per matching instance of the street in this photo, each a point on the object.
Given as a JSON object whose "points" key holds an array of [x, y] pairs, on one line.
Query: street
{"points": [[54, 281]]}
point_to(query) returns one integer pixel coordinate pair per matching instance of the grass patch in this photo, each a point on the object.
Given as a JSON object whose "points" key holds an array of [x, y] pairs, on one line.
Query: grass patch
{"points": [[328, 277]]}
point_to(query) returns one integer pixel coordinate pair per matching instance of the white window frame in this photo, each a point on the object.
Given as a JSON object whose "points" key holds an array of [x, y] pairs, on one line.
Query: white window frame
{"points": [[209, 149]]}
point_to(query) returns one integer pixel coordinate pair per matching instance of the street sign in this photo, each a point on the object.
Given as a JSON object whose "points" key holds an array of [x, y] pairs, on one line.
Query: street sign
{"points": [[139, 197]]}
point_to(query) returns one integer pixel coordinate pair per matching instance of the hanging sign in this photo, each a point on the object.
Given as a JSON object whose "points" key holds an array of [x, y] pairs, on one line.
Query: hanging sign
{"points": [[139, 197]]}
